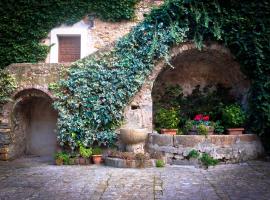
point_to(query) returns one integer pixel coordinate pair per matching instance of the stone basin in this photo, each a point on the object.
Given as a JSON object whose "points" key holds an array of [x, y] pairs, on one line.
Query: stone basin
{"points": [[133, 135]]}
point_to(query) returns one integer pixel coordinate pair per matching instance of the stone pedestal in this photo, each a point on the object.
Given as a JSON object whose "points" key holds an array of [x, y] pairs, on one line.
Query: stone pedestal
{"points": [[135, 148]]}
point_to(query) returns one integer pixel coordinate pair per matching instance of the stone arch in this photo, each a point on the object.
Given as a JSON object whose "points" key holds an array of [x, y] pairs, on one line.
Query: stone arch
{"points": [[139, 113], [33, 123]]}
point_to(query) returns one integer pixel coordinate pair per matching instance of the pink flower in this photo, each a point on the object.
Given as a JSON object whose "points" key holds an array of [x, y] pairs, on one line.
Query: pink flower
{"points": [[206, 118], [198, 117]]}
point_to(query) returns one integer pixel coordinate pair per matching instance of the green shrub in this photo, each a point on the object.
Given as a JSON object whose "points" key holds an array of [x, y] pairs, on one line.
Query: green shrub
{"points": [[208, 160], [160, 163], [97, 151], [167, 118], [233, 116], [193, 154], [63, 156], [85, 152]]}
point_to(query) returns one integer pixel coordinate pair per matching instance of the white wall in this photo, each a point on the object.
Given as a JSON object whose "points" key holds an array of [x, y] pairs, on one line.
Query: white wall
{"points": [[78, 29]]}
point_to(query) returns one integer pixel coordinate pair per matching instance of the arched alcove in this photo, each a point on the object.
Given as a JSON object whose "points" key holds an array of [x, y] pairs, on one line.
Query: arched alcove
{"points": [[33, 124], [212, 65]]}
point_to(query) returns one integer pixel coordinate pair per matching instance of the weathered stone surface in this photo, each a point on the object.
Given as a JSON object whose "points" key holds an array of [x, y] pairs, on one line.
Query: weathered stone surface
{"points": [[35, 179], [162, 140], [4, 139], [122, 163], [227, 148]]}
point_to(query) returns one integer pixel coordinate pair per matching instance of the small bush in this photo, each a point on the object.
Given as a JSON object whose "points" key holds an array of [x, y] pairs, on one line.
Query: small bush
{"points": [[167, 118], [97, 151], [160, 163], [63, 156], [233, 116], [208, 160], [85, 152], [193, 154]]}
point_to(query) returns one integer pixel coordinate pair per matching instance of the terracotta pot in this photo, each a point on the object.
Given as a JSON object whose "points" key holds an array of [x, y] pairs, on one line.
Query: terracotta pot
{"points": [[235, 131], [169, 131], [59, 161], [82, 161], [97, 159]]}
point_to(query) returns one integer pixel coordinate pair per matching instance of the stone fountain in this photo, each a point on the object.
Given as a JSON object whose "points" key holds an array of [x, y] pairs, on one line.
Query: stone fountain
{"points": [[133, 139]]}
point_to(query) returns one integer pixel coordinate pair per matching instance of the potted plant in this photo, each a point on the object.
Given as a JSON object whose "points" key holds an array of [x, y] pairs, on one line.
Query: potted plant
{"points": [[200, 125], [167, 120], [61, 158], [97, 155], [85, 154], [234, 118]]}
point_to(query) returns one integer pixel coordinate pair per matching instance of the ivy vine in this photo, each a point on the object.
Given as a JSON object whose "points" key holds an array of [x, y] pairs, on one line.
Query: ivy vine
{"points": [[24, 23], [92, 99]]}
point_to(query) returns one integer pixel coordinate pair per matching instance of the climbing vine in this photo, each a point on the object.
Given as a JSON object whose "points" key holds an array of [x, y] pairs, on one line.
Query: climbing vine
{"points": [[93, 97], [24, 23]]}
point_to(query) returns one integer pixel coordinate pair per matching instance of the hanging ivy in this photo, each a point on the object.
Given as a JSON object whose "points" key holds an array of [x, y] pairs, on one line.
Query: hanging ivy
{"points": [[24, 23], [92, 99]]}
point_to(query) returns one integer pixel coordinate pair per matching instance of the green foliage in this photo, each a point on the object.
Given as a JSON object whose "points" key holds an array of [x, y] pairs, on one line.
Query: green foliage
{"points": [[233, 116], [167, 118], [208, 160], [218, 128], [7, 86], [193, 154], [24, 23], [99, 87], [63, 156], [160, 163], [97, 151], [85, 152], [202, 129]]}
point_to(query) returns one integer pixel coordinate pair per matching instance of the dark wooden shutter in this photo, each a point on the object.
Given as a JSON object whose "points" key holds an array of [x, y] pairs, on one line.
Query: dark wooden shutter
{"points": [[69, 48]]}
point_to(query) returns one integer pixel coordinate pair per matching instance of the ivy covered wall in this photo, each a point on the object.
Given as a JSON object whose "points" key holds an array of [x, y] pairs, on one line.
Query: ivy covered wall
{"points": [[24, 23], [91, 101]]}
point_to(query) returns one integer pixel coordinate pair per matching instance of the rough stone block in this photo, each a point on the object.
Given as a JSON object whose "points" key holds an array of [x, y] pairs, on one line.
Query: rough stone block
{"points": [[162, 140], [187, 140], [4, 139]]}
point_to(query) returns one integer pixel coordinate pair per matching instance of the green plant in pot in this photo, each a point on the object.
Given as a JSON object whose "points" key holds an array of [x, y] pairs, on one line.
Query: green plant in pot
{"points": [[200, 125], [97, 155], [61, 158], [85, 154], [234, 118], [167, 120]]}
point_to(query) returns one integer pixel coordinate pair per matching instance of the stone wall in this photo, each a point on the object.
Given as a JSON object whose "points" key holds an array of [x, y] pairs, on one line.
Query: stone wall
{"points": [[226, 148], [32, 83]]}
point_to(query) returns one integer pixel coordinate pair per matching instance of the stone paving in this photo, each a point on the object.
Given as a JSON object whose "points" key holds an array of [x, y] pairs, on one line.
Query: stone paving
{"points": [[35, 178]]}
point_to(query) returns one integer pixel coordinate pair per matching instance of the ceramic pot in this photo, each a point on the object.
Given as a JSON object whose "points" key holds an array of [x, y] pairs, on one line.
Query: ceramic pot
{"points": [[169, 131], [97, 159], [235, 131]]}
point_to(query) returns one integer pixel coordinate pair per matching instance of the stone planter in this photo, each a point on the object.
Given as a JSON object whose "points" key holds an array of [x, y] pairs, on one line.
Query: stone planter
{"points": [[235, 131], [133, 139], [169, 131]]}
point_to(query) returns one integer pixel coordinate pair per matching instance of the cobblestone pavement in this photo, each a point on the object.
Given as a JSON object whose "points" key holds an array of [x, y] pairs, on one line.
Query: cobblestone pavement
{"points": [[32, 178]]}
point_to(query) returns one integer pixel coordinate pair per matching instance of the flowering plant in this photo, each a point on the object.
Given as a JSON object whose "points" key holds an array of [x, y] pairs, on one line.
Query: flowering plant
{"points": [[200, 123], [201, 119]]}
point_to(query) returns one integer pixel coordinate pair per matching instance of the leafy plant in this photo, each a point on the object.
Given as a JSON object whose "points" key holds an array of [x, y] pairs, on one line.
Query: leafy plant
{"points": [[62, 156], [167, 118], [160, 163], [85, 152], [7, 86], [202, 129], [233, 116], [218, 128], [193, 154], [208, 160], [97, 151], [200, 123]]}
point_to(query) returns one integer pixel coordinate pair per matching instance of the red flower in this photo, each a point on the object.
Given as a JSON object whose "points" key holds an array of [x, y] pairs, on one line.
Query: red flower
{"points": [[198, 117], [206, 118]]}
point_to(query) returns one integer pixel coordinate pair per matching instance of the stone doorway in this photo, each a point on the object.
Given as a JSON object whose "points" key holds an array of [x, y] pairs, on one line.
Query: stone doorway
{"points": [[34, 124]]}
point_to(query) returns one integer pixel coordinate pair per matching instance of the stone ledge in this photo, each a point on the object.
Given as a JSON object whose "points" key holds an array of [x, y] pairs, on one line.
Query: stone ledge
{"points": [[122, 163]]}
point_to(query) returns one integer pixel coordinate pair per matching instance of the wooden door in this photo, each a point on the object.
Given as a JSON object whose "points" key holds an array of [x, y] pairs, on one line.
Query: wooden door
{"points": [[69, 48]]}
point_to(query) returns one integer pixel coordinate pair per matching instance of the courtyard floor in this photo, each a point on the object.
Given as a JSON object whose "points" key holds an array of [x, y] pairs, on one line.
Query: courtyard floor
{"points": [[35, 178]]}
